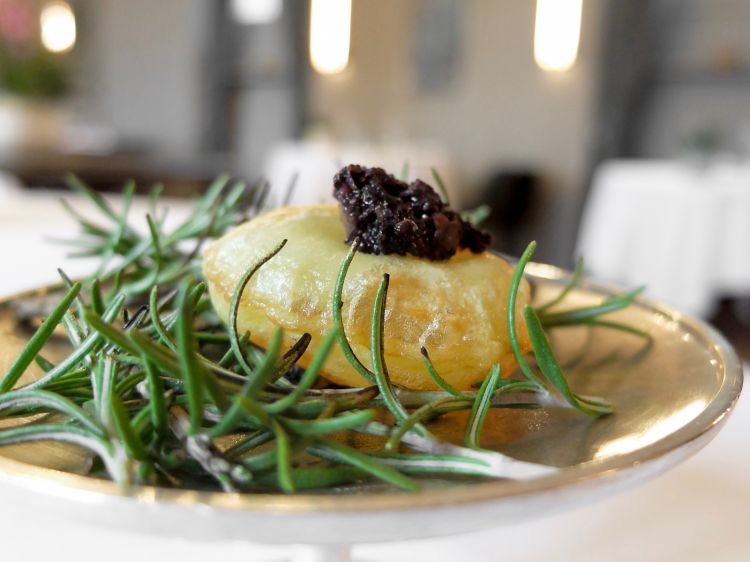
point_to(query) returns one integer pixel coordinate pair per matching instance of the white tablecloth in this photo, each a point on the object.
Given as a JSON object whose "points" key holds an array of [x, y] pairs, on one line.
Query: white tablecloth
{"points": [[695, 513], [681, 230]]}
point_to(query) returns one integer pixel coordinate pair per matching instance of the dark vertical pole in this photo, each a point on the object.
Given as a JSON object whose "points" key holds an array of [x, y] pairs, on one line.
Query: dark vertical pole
{"points": [[636, 35], [218, 70], [299, 34]]}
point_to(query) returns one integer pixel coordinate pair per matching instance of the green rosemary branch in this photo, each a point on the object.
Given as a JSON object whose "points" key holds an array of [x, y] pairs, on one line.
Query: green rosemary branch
{"points": [[163, 392]]}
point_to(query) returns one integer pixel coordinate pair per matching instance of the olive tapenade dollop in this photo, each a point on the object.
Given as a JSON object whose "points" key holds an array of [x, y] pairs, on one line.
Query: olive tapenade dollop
{"points": [[390, 216]]}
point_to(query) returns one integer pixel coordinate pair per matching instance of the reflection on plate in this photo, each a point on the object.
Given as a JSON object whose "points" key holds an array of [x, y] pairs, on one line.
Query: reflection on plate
{"points": [[670, 397]]}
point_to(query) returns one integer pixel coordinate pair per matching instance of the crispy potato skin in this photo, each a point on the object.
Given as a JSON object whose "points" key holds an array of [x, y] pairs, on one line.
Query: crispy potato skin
{"points": [[455, 308]]}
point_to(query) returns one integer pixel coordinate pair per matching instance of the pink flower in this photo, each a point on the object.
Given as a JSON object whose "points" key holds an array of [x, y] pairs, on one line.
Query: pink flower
{"points": [[18, 22]]}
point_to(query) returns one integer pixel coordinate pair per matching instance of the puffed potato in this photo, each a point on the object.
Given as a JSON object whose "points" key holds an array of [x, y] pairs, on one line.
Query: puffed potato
{"points": [[455, 308]]}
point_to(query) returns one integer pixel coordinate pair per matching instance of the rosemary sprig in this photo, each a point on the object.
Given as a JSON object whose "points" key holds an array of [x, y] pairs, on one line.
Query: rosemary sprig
{"points": [[38, 340], [552, 377], [441, 186], [162, 392], [378, 361], [440, 381], [404, 175], [337, 304], [479, 409]]}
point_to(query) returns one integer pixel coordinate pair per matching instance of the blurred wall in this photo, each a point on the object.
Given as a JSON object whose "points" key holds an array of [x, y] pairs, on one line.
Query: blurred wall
{"points": [[139, 70], [500, 109], [142, 65], [701, 91]]}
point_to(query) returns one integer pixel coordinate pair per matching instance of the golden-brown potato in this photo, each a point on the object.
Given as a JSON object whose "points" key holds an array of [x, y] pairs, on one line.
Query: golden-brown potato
{"points": [[456, 309]]}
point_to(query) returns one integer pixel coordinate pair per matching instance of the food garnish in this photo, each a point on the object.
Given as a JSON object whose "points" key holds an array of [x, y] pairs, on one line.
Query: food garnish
{"points": [[388, 216], [161, 391]]}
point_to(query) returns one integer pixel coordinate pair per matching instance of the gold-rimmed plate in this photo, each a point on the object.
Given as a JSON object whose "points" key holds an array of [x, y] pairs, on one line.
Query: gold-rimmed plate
{"points": [[671, 395]]}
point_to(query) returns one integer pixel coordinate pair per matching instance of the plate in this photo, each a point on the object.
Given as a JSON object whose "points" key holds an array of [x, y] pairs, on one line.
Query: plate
{"points": [[671, 397]]}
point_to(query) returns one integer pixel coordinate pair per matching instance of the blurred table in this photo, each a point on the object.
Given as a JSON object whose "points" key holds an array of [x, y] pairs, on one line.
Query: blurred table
{"points": [[109, 170], [694, 513], [34, 227], [679, 228]]}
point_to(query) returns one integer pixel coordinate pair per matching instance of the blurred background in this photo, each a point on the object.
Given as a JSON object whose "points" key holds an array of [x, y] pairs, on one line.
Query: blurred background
{"points": [[617, 130], [614, 130]]}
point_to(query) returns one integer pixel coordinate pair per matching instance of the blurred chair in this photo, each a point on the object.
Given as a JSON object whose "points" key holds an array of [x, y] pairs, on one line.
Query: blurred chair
{"points": [[513, 196]]}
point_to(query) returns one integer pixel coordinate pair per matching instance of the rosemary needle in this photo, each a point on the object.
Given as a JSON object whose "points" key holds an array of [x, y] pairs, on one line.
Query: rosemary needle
{"points": [[36, 342]]}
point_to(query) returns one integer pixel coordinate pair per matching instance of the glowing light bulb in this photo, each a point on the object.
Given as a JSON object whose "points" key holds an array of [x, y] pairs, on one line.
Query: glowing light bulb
{"points": [[58, 27], [330, 27], [557, 33], [256, 12]]}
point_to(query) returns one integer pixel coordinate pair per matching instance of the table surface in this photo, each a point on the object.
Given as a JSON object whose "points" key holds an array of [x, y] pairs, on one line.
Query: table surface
{"points": [[695, 512], [677, 228]]}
